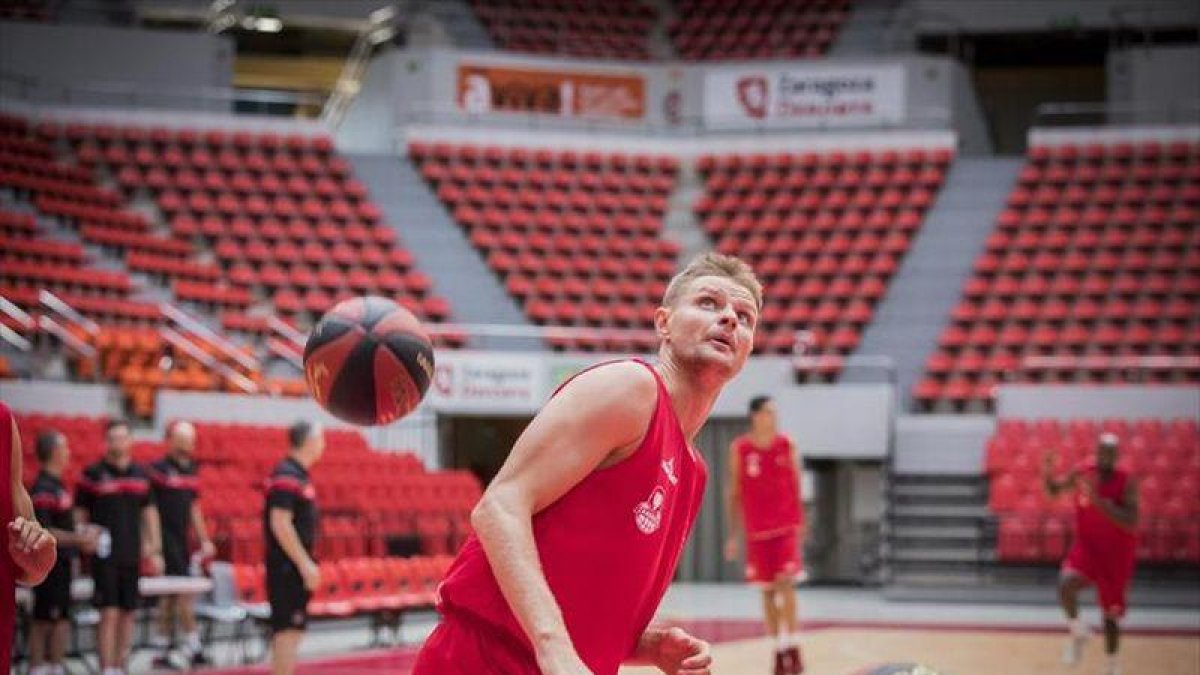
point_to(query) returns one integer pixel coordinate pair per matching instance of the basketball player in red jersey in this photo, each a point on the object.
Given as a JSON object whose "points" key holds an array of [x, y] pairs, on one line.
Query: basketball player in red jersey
{"points": [[764, 501], [578, 536], [31, 550], [1103, 553]]}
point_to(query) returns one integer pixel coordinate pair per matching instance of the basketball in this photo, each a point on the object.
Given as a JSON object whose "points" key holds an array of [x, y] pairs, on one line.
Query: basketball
{"points": [[368, 361]]}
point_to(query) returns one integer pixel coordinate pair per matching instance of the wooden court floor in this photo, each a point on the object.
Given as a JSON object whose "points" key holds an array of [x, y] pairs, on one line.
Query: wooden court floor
{"points": [[844, 651]]}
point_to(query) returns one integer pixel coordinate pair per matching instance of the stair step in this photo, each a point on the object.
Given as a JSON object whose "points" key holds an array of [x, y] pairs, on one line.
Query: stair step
{"points": [[955, 532], [939, 556], [978, 511]]}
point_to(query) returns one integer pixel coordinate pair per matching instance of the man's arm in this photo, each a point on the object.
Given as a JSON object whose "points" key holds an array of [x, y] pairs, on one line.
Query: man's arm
{"points": [[30, 547], [285, 533], [152, 536], [593, 420], [206, 544], [1052, 485], [733, 504]]}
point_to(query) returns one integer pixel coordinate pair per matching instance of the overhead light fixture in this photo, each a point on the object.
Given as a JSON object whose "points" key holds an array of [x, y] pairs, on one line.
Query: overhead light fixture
{"points": [[263, 24]]}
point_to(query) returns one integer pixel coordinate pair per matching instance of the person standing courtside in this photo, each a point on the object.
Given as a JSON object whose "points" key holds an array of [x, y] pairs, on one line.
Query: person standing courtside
{"points": [[176, 494], [114, 494], [764, 503], [52, 504], [290, 527]]}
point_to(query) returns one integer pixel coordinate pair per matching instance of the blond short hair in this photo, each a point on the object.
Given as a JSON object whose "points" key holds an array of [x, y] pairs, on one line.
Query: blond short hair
{"points": [[714, 264]]}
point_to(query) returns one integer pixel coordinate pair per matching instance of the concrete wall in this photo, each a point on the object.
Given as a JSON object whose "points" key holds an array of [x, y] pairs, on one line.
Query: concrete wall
{"points": [[60, 398], [988, 16], [1156, 79], [422, 86], [1065, 402], [116, 66], [942, 444]]}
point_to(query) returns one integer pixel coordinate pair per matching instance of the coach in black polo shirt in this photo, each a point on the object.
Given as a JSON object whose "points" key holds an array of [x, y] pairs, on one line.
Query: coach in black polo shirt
{"points": [[114, 493], [176, 490], [52, 599], [290, 528]]}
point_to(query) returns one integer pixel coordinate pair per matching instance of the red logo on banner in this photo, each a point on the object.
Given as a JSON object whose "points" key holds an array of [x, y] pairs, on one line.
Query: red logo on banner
{"points": [[752, 94]]}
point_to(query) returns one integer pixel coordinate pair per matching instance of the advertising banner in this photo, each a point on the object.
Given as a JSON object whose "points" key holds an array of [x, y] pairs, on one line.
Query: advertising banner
{"points": [[484, 89], [798, 96]]}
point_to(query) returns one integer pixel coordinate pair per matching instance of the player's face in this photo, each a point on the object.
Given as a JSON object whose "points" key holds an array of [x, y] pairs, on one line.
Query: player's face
{"points": [[316, 444], [183, 438], [62, 453], [1106, 456], [120, 442], [712, 324], [764, 419]]}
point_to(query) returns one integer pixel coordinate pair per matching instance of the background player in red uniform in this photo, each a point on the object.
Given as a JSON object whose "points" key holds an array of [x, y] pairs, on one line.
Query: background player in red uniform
{"points": [[1103, 553], [578, 536], [30, 551], [764, 503]]}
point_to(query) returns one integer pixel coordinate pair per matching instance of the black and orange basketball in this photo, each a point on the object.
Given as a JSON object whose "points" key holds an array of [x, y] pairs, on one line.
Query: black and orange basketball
{"points": [[368, 361]]}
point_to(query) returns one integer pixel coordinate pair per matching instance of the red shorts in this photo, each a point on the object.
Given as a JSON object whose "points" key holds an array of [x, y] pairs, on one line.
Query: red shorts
{"points": [[1109, 573], [462, 646], [767, 560]]}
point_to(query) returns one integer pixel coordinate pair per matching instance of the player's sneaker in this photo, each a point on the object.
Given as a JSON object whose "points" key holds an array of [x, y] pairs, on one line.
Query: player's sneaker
{"points": [[781, 662], [199, 660], [795, 662], [1073, 650]]}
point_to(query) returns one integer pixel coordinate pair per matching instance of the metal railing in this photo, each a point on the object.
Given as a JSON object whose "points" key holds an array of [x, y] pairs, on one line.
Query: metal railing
{"points": [[141, 95], [1091, 114]]}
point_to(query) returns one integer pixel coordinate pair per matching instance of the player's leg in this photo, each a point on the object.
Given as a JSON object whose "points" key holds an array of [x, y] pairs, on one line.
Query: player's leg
{"points": [[190, 638], [57, 651], [284, 646], [124, 637], [106, 636], [160, 639], [770, 610], [39, 631], [127, 601], [1068, 596], [785, 590]]}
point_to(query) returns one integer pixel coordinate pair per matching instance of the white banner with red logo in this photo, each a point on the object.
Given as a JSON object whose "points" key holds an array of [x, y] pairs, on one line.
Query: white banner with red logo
{"points": [[799, 96]]}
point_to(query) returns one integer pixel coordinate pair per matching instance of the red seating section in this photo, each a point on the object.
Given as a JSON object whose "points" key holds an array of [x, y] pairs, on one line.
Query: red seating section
{"points": [[366, 497], [283, 215], [716, 30], [1164, 458], [355, 586], [574, 237], [613, 29], [290, 229], [825, 233], [1097, 255]]}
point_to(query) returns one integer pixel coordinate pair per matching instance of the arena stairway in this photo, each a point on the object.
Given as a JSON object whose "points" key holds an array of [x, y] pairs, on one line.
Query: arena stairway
{"points": [[427, 229], [929, 283]]}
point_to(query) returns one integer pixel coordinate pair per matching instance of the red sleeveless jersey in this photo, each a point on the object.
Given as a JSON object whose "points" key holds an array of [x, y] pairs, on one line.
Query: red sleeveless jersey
{"points": [[1094, 530], [608, 547], [8, 571], [770, 487]]}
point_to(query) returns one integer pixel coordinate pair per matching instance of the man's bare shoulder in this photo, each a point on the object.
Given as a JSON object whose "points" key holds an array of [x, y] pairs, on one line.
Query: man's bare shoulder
{"points": [[618, 381]]}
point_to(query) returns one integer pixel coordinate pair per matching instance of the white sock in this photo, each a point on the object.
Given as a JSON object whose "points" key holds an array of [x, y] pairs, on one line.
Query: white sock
{"points": [[1112, 663], [57, 669], [40, 670], [113, 671], [1077, 627], [159, 641], [192, 642]]}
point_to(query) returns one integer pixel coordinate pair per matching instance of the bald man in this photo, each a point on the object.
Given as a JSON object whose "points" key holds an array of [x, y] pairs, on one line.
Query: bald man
{"points": [[176, 491]]}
